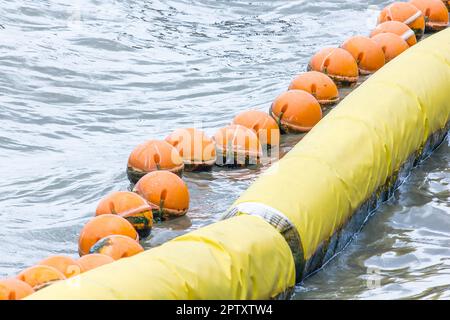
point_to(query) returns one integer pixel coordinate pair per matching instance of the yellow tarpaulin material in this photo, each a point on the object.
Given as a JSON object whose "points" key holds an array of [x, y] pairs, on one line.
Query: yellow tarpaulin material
{"points": [[318, 186], [240, 258], [320, 183]]}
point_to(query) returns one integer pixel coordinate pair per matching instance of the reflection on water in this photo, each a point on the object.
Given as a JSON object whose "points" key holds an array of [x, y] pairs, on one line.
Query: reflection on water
{"points": [[83, 82]]}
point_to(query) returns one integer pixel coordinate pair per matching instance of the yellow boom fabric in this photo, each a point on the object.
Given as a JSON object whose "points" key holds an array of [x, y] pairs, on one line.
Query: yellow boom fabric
{"points": [[320, 183], [317, 187], [239, 258]]}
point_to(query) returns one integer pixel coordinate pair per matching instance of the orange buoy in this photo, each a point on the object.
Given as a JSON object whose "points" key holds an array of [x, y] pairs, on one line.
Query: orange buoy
{"points": [[93, 260], [68, 266], [435, 12], [368, 54], [14, 289], [166, 192], [319, 85], [195, 147], [40, 276], [130, 206], [102, 226], [406, 13], [337, 63], [151, 156], [263, 124], [117, 247], [296, 111], [237, 146], [391, 44], [399, 28]]}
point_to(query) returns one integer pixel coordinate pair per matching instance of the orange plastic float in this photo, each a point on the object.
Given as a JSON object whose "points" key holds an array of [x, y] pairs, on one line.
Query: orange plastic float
{"points": [[263, 124], [102, 226], [195, 147], [68, 266], [368, 54], [237, 146], [40, 276], [93, 260], [435, 12], [130, 206], [166, 192], [296, 111], [117, 247], [14, 289], [406, 13], [319, 85], [151, 156], [337, 63], [399, 28], [391, 44]]}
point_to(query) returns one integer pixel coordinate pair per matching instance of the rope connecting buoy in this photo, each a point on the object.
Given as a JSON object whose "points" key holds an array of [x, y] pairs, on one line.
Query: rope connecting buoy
{"points": [[368, 54], [151, 156], [399, 28], [130, 206], [391, 44], [435, 12], [406, 13], [93, 260], [195, 147], [337, 63], [14, 289], [237, 146], [117, 247], [296, 111], [102, 226], [263, 124], [68, 266], [321, 86], [40, 276], [166, 192]]}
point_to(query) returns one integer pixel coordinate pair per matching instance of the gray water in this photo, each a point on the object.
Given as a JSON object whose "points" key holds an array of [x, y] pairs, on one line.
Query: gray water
{"points": [[83, 82]]}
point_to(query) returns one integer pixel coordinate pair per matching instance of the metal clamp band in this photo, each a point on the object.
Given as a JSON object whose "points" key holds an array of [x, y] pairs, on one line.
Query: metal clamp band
{"points": [[280, 222]]}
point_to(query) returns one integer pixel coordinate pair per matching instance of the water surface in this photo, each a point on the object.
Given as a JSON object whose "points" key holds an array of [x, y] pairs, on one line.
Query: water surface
{"points": [[83, 82]]}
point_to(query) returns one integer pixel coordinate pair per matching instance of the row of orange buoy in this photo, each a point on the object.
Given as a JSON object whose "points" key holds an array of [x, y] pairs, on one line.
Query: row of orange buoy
{"points": [[155, 167]]}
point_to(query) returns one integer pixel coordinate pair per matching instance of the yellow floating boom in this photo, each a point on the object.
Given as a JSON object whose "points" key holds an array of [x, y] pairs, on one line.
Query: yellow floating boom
{"points": [[306, 207]]}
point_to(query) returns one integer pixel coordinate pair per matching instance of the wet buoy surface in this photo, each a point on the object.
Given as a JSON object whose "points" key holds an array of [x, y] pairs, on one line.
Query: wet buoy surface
{"points": [[391, 44], [337, 63], [368, 54], [406, 13], [435, 12], [102, 226], [263, 124], [167, 193], [321, 86], [296, 111], [153, 155], [195, 147], [237, 146], [40, 276], [93, 260], [117, 247], [130, 206], [14, 289], [399, 28], [68, 266]]}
